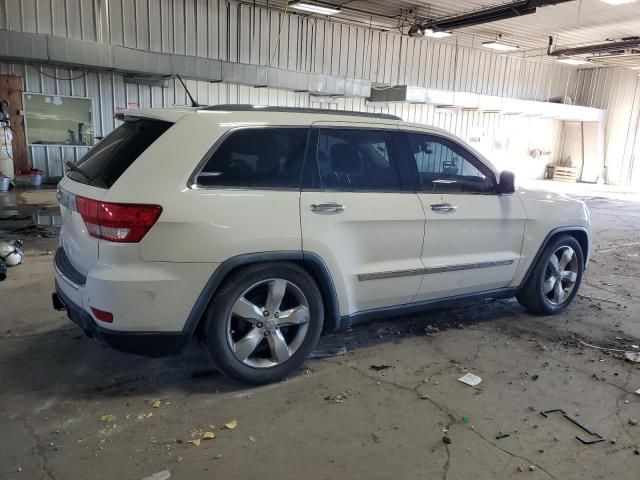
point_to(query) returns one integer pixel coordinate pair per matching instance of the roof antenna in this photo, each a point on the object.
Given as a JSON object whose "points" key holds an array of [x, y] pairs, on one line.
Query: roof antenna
{"points": [[194, 104]]}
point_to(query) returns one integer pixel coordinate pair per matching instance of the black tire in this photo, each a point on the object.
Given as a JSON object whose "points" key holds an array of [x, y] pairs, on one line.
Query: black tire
{"points": [[215, 328], [532, 295]]}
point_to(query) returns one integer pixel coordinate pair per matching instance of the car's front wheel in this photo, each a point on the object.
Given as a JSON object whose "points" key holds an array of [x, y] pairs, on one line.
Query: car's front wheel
{"points": [[555, 279], [264, 322]]}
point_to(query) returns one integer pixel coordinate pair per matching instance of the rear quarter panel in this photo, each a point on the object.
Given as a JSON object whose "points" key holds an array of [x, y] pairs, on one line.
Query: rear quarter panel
{"points": [[205, 224]]}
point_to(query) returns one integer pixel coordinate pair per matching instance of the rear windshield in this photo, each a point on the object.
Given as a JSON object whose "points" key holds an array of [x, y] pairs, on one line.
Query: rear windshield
{"points": [[104, 163]]}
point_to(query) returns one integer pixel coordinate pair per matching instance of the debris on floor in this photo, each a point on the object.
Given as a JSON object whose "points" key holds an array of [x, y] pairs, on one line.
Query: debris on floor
{"points": [[379, 368], [596, 437], [502, 435], [470, 379], [632, 356], [328, 352], [11, 252], [163, 475], [231, 425]]}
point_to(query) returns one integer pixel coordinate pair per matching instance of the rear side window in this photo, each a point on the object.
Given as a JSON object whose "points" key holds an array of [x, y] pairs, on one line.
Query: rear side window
{"points": [[257, 158], [358, 160], [104, 163]]}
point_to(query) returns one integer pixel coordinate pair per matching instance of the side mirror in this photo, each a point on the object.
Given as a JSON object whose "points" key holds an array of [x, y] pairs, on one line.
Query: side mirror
{"points": [[507, 183]]}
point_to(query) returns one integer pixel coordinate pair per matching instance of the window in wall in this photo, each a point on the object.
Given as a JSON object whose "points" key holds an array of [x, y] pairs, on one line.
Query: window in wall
{"points": [[58, 120], [358, 159], [264, 157], [445, 166]]}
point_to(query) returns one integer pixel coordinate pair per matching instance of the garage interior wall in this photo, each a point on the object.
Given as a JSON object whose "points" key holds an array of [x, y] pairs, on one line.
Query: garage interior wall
{"points": [[237, 32], [618, 92]]}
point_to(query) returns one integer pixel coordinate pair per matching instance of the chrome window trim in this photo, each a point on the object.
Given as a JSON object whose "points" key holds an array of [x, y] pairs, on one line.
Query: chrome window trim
{"points": [[431, 270]]}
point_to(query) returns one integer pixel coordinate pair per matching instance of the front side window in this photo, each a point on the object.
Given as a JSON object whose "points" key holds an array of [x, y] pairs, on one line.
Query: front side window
{"points": [[444, 166], [358, 160], [257, 158]]}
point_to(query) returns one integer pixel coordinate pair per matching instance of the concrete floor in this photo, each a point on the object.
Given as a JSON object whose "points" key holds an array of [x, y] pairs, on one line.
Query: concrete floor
{"points": [[338, 417]]}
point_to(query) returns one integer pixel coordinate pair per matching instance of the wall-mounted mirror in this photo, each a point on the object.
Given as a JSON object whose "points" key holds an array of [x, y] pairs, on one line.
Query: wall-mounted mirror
{"points": [[58, 120]]}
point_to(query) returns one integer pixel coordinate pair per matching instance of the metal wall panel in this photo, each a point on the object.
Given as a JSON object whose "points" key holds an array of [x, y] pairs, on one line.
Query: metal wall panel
{"points": [[617, 91], [110, 93], [236, 32]]}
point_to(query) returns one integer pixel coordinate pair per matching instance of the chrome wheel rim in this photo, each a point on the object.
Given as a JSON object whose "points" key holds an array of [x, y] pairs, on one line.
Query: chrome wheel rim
{"points": [[561, 275], [268, 323]]}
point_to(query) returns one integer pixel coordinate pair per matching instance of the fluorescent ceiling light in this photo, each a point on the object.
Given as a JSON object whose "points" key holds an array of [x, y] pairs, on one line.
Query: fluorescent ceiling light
{"points": [[618, 2], [428, 32], [314, 8], [499, 46], [572, 60]]}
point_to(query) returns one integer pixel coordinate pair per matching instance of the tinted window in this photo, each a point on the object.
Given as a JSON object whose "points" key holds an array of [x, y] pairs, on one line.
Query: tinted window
{"points": [[104, 163], [263, 157], [445, 166], [365, 160]]}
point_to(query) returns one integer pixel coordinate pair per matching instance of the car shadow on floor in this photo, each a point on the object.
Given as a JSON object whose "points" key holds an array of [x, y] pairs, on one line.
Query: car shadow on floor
{"points": [[65, 360]]}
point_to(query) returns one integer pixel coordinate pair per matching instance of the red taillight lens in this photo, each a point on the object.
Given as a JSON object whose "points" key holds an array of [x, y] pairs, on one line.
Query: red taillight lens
{"points": [[117, 222], [102, 315]]}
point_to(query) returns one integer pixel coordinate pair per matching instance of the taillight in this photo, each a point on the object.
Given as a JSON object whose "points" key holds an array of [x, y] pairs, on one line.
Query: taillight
{"points": [[117, 222]]}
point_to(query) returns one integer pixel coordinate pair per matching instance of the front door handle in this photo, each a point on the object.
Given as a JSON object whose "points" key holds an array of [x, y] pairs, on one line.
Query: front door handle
{"points": [[443, 207], [330, 207]]}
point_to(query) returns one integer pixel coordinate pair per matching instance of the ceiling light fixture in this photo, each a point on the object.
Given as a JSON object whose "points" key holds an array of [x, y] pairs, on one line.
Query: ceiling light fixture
{"points": [[618, 2], [429, 32], [314, 8], [500, 46], [573, 60]]}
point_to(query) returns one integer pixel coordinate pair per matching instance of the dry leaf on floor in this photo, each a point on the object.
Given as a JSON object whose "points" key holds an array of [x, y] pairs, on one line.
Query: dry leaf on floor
{"points": [[108, 418], [212, 427], [208, 436], [252, 438], [156, 404], [196, 442], [232, 424]]}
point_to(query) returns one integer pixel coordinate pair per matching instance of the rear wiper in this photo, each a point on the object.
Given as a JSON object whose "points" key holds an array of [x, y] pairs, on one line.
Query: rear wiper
{"points": [[74, 168]]}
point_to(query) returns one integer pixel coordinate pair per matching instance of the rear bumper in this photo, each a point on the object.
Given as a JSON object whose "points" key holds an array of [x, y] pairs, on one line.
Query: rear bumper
{"points": [[150, 344]]}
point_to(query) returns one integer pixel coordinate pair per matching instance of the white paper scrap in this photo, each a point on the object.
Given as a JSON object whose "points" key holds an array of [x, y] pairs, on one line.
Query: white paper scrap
{"points": [[470, 379]]}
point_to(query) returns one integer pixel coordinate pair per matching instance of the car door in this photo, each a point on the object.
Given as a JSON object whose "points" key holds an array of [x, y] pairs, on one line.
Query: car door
{"points": [[473, 235], [360, 214]]}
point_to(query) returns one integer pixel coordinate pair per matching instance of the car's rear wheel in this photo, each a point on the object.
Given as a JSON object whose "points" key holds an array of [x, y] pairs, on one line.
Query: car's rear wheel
{"points": [[264, 322], [555, 279]]}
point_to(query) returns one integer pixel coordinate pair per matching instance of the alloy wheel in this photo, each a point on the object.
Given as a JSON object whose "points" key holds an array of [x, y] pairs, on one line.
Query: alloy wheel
{"points": [[561, 275], [268, 322]]}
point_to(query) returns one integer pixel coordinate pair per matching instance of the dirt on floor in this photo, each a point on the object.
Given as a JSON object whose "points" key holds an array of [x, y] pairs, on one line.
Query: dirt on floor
{"points": [[391, 407]]}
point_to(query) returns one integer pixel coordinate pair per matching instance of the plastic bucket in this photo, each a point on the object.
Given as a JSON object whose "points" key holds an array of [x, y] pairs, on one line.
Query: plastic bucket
{"points": [[29, 180]]}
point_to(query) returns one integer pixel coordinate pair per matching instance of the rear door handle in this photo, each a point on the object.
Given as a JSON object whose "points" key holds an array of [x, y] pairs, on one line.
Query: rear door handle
{"points": [[443, 207], [330, 207]]}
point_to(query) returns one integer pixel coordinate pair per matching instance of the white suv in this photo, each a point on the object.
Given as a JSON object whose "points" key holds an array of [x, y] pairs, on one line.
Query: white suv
{"points": [[258, 228]]}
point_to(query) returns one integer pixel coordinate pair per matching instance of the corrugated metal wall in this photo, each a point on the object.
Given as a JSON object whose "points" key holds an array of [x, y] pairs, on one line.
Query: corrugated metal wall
{"points": [[236, 32], [617, 91], [110, 93]]}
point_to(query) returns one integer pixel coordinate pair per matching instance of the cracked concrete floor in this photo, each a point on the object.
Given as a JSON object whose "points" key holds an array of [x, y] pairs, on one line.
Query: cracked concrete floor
{"points": [[339, 417]]}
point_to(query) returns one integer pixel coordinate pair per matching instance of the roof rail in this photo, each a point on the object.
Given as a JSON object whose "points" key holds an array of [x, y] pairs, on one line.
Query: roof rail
{"points": [[318, 111]]}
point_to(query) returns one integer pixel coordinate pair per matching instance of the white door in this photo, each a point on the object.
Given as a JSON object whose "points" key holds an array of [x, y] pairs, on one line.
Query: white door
{"points": [[473, 235], [361, 215]]}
